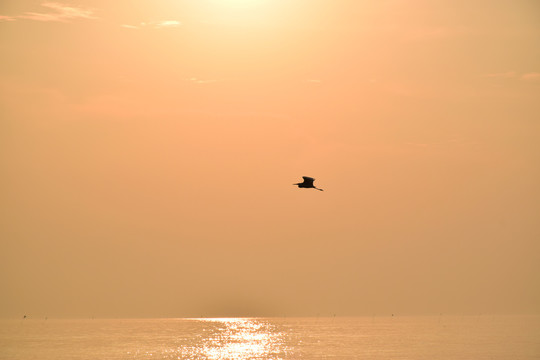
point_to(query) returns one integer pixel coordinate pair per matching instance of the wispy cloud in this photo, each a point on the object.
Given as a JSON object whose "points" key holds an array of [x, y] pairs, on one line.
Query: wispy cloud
{"points": [[502, 75], [167, 24], [454, 142], [534, 76], [154, 24], [57, 12], [6, 18], [204, 81]]}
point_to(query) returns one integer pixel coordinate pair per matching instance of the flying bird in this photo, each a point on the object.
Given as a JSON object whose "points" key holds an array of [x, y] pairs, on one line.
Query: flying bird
{"points": [[308, 183]]}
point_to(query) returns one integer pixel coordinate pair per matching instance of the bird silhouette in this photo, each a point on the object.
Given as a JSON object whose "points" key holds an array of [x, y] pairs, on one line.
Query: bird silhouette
{"points": [[308, 183]]}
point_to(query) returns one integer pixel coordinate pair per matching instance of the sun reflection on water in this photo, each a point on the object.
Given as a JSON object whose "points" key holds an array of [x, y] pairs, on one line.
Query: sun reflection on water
{"points": [[237, 338]]}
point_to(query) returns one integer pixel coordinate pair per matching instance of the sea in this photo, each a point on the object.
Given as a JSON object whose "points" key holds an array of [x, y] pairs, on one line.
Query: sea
{"points": [[481, 337]]}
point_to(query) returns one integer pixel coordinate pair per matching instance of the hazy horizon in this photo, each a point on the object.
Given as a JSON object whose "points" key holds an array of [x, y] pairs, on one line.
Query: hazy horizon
{"points": [[148, 151]]}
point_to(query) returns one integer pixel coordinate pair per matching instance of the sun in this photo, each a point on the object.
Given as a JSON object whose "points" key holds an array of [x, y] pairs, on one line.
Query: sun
{"points": [[237, 11], [242, 2], [238, 4]]}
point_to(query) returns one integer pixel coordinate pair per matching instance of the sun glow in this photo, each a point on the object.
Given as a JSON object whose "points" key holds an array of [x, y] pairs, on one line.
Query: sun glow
{"points": [[237, 12], [239, 7], [239, 3]]}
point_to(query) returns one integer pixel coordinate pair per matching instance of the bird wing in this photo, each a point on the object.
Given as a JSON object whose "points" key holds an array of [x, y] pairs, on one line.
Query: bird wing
{"points": [[308, 180]]}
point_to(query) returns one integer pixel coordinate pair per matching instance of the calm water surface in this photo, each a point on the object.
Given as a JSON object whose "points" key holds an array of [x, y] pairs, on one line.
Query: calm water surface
{"points": [[440, 337]]}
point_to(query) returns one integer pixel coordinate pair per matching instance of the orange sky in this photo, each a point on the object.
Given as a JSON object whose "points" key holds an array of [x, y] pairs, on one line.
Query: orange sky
{"points": [[148, 151]]}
